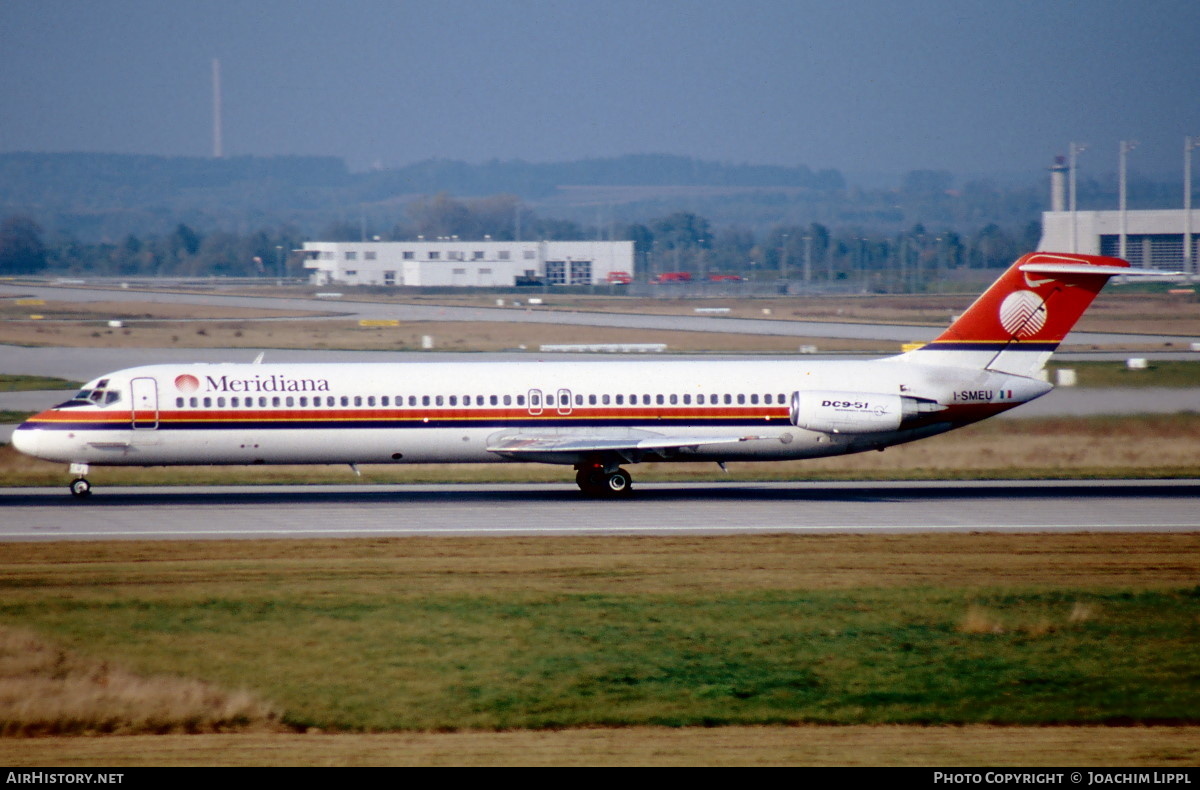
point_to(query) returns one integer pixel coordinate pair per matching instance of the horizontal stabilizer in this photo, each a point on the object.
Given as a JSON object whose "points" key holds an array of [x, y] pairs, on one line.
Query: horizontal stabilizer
{"points": [[1112, 271]]}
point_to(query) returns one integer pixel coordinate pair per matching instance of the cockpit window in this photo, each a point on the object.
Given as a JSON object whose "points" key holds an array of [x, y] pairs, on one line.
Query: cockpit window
{"points": [[99, 395]]}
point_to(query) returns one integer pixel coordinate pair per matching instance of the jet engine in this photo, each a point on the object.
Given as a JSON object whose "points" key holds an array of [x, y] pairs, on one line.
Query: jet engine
{"points": [[857, 412]]}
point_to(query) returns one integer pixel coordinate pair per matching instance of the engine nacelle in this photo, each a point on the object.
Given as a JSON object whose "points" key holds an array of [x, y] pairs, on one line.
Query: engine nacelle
{"points": [[856, 412]]}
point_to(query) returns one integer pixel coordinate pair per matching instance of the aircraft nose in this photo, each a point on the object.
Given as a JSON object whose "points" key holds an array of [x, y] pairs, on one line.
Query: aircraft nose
{"points": [[26, 438]]}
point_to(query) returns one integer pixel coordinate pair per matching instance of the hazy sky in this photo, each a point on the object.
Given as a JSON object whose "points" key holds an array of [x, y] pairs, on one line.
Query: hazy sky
{"points": [[858, 85]]}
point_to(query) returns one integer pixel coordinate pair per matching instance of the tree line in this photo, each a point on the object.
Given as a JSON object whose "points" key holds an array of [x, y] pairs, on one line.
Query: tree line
{"points": [[914, 260], [185, 252], [110, 196]]}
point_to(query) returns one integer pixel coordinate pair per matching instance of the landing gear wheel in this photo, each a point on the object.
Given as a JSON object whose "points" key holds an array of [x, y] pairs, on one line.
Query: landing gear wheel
{"points": [[583, 479], [81, 487], [598, 483], [618, 483]]}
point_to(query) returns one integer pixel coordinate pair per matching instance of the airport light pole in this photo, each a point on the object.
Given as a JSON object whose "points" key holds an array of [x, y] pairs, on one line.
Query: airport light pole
{"points": [[918, 264], [1126, 147], [1075, 150], [808, 258], [783, 258], [938, 264], [863, 254], [1188, 144]]}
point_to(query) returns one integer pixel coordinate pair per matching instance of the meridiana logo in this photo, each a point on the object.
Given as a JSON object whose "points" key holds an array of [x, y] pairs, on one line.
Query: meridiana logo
{"points": [[1022, 313], [187, 383], [276, 382]]}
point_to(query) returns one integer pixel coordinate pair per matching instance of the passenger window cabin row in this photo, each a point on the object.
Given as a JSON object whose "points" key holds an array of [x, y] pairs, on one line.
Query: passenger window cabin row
{"points": [[535, 399]]}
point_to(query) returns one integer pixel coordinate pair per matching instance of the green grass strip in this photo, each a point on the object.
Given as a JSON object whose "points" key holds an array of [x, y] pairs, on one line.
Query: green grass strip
{"points": [[1169, 373], [449, 662], [13, 383]]}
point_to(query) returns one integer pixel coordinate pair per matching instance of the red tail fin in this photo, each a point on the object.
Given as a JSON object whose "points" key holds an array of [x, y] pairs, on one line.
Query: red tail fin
{"points": [[1037, 300], [1022, 318]]}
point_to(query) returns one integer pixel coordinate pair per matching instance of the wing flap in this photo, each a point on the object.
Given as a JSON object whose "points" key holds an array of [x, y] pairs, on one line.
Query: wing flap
{"points": [[575, 444]]}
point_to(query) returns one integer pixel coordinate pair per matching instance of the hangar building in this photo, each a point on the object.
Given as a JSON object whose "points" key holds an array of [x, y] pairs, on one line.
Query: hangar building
{"points": [[453, 262], [1154, 239]]}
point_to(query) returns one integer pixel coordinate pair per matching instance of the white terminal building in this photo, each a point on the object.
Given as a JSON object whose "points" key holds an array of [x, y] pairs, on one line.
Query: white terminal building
{"points": [[453, 262], [1154, 239]]}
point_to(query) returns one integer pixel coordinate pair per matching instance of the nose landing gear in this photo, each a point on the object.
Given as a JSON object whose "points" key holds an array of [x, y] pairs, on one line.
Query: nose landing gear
{"points": [[80, 486], [596, 481]]}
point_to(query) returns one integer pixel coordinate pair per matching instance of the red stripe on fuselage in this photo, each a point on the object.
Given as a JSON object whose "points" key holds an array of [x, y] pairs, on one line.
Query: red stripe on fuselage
{"points": [[119, 420]]}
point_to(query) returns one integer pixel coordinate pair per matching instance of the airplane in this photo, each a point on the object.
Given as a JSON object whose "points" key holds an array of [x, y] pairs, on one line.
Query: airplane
{"points": [[596, 416]]}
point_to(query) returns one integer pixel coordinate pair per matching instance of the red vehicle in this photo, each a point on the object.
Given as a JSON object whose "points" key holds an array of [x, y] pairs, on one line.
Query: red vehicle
{"points": [[620, 278], [725, 278], [674, 277]]}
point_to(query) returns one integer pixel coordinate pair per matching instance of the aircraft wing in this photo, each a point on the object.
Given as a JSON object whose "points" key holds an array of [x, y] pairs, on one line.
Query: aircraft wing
{"points": [[576, 447]]}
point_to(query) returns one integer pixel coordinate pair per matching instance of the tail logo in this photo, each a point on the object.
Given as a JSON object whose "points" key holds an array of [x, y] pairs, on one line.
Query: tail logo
{"points": [[1022, 313]]}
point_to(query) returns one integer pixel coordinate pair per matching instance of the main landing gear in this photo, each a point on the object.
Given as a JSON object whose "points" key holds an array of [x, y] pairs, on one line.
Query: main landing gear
{"points": [[597, 481]]}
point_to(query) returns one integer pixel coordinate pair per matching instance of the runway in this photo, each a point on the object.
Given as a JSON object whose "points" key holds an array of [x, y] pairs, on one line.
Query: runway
{"points": [[293, 512]]}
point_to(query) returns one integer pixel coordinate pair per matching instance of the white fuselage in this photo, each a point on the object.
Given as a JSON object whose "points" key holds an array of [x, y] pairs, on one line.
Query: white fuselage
{"points": [[390, 413]]}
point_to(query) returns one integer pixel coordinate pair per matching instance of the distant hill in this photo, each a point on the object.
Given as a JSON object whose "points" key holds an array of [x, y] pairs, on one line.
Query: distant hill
{"points": [[534, 181], [110, 195], [127, 180], [97, 197]]}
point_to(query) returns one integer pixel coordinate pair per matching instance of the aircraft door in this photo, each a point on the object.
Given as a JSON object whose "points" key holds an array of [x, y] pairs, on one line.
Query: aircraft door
{"points": [[564, 402], [535, 402], [144, 394]]}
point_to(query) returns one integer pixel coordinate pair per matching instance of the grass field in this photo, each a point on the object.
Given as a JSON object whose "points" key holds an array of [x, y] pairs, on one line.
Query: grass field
{"points": [[18, 383], [1168, 373], [929, 641], [447, 336], [970, 745]]}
